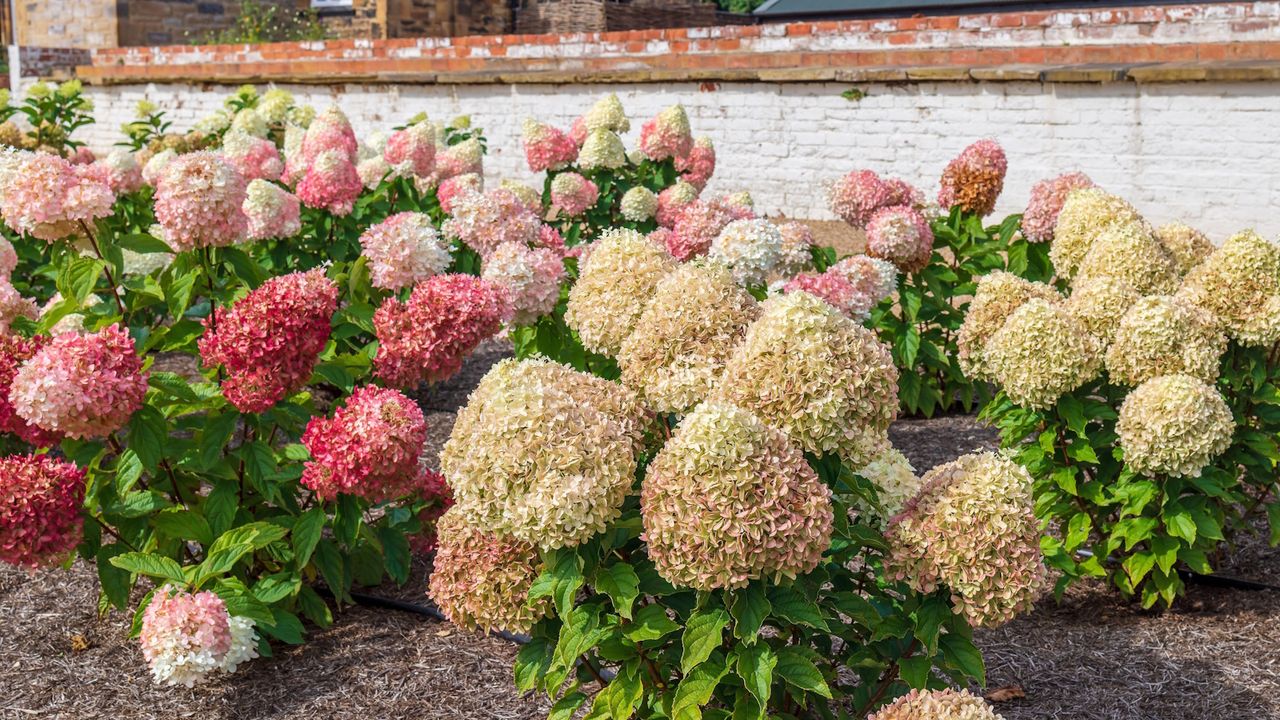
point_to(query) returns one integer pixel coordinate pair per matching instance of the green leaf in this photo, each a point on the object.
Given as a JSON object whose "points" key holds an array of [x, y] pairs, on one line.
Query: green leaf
{"points": [[566, 706], [142, 243], [620, 697], [79, 277], [696, 688], [173, 385], [116, 582], [702, 634], [1180, 524], [274, 588], [620, 582], [178, 291], [755, 667], [1078, 530], [396, 557], [221, 504], [1165, 550], [139, 504], [799, 671], [306, 534], [183, 524], [651, 622], [151, 565], [532, 662], [335, 572], [915, 670], [1137, 565], [960, 652], [560, 581], [793, 607], [128, 471], [287, 627], [750, 607], [1273, 519], [148, 431]]}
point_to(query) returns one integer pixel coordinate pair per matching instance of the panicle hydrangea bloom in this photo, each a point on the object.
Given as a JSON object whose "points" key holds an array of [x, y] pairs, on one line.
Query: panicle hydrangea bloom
{"points": [[403, 250], [412, 151], [253, 157], [1039, 353], [697, 167], [896, 483], [816, 374], [369, 448], [730, 499], [531, 277], [42, 195], [876, 278], [607, 114], [901, 235], [946, 704], [667, 135], [573, 194], [212, 123], [426, 337], [1240, 284], [696, 228], [530, 197], [1162, 335], [749, 248], [486, 220], [543, 452], [481, 580], [833, 288], [329, 132], [295, 163], [1187, 245], [199, 200], [603, 150], [249, 122], [795, 251], [154, 169], [1047, 197], [1133, 254], [14, 306], [998, 295], [465, 158], [856, 196], [458, 185], [679, 346], [974, 178], [372, 171], [1085, 215], [186, 637], [613, 286], [638, 204], [546, 147], [433, 489], [550, 238], [972, 529], [269, 340], [374, 145], [331, 183], [274, 105], [1099, 303], [272, 211], [138, 264], [81, 385], [40, 499], [673, 200], [1174, 425], [124, 174]]}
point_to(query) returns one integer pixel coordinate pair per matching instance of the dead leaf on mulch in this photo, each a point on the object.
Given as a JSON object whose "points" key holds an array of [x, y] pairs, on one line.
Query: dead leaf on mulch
{"points": [[79, 643], [1005, 693]]}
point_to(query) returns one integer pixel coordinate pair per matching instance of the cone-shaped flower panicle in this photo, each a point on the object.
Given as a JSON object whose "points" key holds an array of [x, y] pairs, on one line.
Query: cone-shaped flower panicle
{"points": [[901, 235], [751, 249], [607, 114], [546, 147], [1133, 254], [412, 151], [1187, 245], [331, 183], [1240, 284], [1098, 304], [855, 197], [638, 204], [531, 277], [485, 221], [1174, 425], [896, 483], [43, 196], [667, 135], [187, 637], [369, 448], [40, 501], [697, 167], [573, 194], [1047, 197], [673, 200], [404, 250], [603, 150], [1039, 353], [272, 211], [614, 284], [998, 295], [255, 158], [1084, 216], [199, 202], [1162, 335], [15, 350], [795, 253], [974, 178], [458, 186]]}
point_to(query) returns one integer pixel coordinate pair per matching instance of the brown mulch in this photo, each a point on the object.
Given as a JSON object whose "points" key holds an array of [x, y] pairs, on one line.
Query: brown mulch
{"points": [[1093, 656]]}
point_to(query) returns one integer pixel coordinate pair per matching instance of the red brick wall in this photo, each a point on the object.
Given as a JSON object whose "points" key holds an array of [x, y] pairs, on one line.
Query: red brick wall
{"points": [[1022, 44]]}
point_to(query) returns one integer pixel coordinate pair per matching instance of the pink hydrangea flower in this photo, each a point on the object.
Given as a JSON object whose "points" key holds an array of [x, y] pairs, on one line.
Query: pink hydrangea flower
{"points": [[82, 156], [546, 147], [269, 340], [253, 157], [43, 196], [698, 165], [199, 200], [81, 385], [369, 448], [123, 173], [1047, 198], [531, 277], [672, 201], [451, 188], [426, 338], [573, 194], [467, 157], [330, 131], [403, 250], [331, 183], [412, 151], [8, 258], [974, 178], [486, 220], [901, 235], [15, 350], [578, 130], [699, 223], [186, 637], [272, 211], [666, 135], [834, 288], [40, 499], [14, 306], [877, 279], [550, 238], [856, 196]]}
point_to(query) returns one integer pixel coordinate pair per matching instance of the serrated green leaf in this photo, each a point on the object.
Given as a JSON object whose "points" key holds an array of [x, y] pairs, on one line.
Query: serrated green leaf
{"points": [[151, 565], [696, 688], [306, 534], [793, 607], [755, 667], [703, 633], [749, 609], [620, 582], [650, 623], [799, 671]]}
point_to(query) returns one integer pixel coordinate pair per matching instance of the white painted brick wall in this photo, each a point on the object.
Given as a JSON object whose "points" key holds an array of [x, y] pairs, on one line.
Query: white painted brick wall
{"points": [[1206, 153]]}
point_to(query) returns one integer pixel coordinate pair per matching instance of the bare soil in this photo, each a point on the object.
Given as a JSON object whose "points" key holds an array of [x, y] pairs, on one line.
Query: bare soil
{"points": [[1216, 655]]}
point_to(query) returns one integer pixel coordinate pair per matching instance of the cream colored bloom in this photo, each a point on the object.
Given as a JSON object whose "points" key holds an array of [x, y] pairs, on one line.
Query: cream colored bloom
{"points": [[1162, 335], [1085, 215], [1240, 284], [1174, 425], [998, 295], [1187, 245], [1040, 353], [613, 286], [1133, 254]]}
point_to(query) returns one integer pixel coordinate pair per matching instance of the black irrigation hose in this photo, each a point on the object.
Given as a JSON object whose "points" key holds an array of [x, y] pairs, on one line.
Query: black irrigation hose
{"points": [[1221, 581], [430, 611]]}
